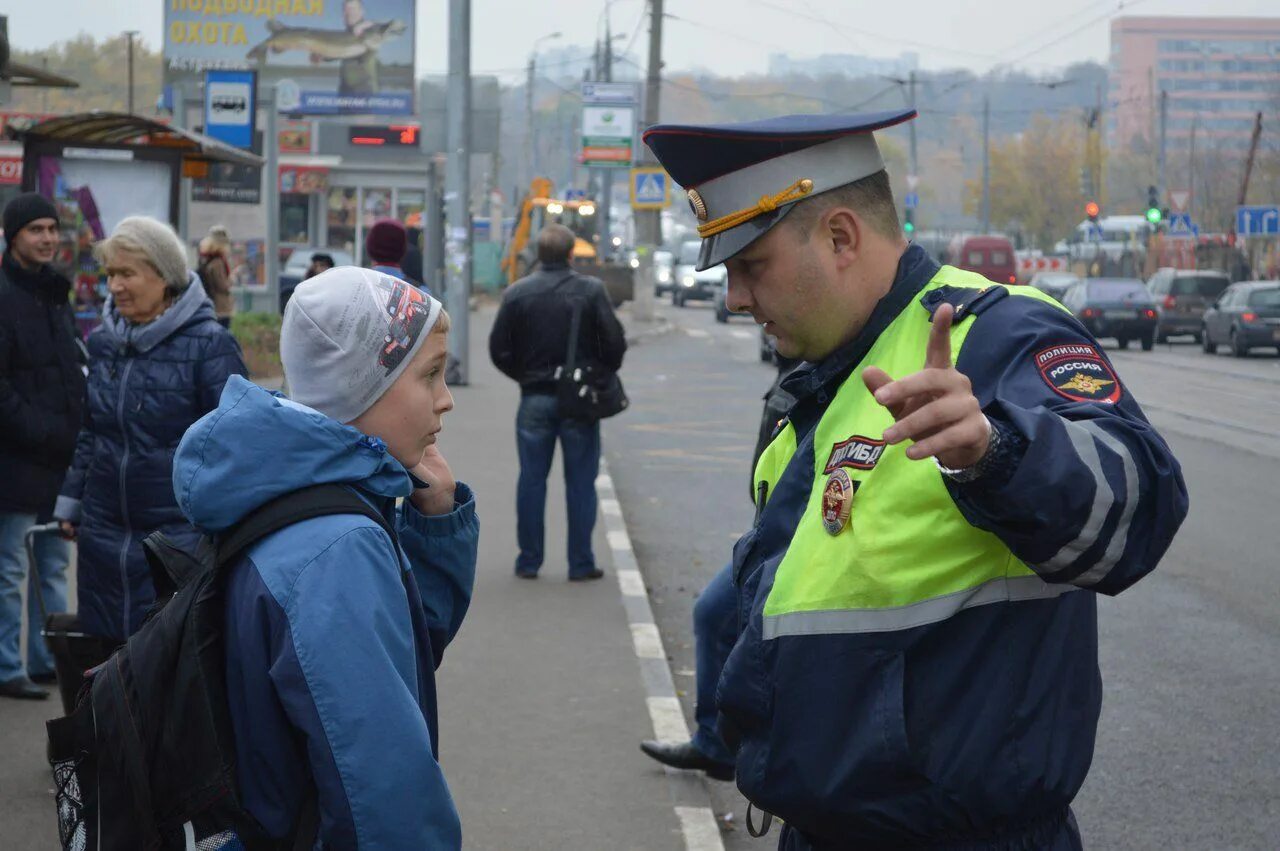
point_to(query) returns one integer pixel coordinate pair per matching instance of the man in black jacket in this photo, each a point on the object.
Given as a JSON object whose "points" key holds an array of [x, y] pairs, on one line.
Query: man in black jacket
{"points": [[41, 405], [528, 343]]}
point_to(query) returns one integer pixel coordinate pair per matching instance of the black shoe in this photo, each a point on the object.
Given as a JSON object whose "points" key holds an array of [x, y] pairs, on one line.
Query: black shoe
{"points": [[595, 573], [22, 688], [46, 679], [527, 574], [686, 756]]}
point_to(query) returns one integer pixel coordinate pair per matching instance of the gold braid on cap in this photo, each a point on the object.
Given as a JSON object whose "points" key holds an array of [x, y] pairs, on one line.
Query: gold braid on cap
{"points": [[767, 204]]}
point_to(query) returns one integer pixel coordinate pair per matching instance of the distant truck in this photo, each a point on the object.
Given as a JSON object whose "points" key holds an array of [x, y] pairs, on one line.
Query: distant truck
{"points": [[540, 208], [989, 256]]}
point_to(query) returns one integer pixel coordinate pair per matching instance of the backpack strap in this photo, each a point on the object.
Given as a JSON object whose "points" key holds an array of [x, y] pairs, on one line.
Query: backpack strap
{"points": [[291, 508]]}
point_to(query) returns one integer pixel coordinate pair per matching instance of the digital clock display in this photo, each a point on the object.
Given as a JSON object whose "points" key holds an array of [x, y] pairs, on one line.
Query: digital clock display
{"points": [[390, 136]]}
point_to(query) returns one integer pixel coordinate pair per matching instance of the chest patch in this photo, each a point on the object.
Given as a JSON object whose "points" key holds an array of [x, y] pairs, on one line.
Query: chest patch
{"points": [[856, 453], [837, 502], [1078, 372]]}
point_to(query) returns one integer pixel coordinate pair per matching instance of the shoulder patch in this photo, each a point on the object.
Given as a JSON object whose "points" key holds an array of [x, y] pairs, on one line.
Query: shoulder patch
{"points": [[1079, 372], [966, 300], [857, 453]]}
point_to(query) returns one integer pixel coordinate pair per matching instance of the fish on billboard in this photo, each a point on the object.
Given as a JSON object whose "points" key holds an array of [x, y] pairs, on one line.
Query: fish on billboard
{"points": [[323, 56]]}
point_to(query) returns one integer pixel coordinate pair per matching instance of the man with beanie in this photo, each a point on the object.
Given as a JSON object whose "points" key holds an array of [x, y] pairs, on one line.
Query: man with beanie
{"points": [[41, 407], [386, 245], [529, 343], [334, 629]]}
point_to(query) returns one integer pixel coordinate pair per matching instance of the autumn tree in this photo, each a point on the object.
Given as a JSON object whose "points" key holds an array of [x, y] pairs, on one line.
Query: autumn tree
{"points": [[1035, 181]]}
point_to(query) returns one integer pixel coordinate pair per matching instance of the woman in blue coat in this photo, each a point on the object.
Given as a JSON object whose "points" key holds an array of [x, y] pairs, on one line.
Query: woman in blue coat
{"points": [[157, 364]]}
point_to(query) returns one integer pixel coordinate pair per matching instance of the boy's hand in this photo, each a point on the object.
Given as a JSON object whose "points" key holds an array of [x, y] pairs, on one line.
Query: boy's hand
{"points": [[437, 498]]}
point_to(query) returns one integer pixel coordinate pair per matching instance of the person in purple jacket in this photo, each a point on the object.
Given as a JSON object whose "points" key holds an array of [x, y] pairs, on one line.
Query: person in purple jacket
{"points": [[331, 648]]}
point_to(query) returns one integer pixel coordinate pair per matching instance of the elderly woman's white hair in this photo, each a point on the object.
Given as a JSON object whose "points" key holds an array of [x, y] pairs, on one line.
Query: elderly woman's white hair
{"points": [[155, 242]]}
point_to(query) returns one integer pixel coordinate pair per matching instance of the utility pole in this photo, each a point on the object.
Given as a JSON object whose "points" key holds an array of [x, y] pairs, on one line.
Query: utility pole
{"points": [[528, 115], [986, 163], [129, 35], [649, 222], [457, 291], [1164, 129], [911, 102], [1191, 168], [605, 211], [1248, 163]]}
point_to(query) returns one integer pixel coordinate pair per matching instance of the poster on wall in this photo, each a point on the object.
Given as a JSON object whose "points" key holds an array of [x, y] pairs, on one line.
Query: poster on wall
{"points": [[230, 183], [324, 56], [92, 192]]}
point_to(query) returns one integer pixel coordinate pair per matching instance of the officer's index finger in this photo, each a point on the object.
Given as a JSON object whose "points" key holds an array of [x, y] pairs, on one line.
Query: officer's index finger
{"points": [[938, 354]]}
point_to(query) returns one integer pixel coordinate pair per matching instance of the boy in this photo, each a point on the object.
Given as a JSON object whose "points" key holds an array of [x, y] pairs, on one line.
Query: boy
{"points": [[334, 630]]}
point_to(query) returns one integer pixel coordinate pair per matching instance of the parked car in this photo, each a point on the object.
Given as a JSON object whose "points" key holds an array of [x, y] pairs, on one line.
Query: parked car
{"points": [[989, 256], [663, 272], [1181, 298], [1055, 284], [1247, 316], [691, 285], [1115, 307], [295, 268]]}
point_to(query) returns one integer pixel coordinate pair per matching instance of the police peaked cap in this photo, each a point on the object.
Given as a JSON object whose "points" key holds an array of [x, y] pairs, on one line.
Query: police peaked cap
{"points": [[742, 179]]}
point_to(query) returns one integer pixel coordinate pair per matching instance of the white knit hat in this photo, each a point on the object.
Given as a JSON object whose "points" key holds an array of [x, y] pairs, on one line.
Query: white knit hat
{"points": [[347, 335]]}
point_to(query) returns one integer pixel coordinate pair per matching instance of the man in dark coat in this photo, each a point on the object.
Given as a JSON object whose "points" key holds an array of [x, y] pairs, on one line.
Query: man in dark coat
{"points": [[41, 405], [529, 343]]}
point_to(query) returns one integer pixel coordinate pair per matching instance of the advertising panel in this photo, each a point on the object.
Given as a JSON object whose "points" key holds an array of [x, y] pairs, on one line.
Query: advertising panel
{"points": [[324, 56], [607, 133]]}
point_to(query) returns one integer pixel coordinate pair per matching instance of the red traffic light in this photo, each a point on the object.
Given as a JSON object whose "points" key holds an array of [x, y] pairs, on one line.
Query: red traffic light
{"points": [[1091, 209]]}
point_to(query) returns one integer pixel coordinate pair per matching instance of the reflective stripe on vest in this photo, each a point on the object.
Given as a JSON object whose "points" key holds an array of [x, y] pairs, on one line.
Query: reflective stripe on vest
{"points": [[907, 557]]}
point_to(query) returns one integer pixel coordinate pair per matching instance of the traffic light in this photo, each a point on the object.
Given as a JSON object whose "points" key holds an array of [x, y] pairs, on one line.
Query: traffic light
{"points": [[908, 221], [1154, 215], [1091, 210]]}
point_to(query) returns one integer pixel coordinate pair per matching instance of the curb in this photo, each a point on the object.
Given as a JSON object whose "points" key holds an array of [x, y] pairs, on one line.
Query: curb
{"points": [[690, 796]]}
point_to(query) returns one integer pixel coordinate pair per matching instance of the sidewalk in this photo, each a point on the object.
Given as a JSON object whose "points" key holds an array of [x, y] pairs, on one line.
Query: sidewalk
{"points": [[542, 702]]}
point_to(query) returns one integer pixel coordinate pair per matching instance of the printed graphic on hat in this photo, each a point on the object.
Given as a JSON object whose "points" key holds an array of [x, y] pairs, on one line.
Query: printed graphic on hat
{"points": [[1078, 372], [837, 501], [857, 453], [407, 312]]}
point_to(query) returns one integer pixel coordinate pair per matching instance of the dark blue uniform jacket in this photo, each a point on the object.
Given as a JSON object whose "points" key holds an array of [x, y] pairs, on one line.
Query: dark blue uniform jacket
{"points": [[980, 728]]}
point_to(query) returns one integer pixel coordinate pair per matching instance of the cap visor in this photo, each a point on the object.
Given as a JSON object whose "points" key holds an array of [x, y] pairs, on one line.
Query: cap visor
{"points": [[721, 247]]}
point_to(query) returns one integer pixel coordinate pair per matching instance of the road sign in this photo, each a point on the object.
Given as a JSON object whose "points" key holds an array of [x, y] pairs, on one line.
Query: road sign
{"points": [[230, 110], [650, 189], [575, 194], [911, 200], [1258, 221], [1094, 232], [1181, 226], [622, 94], [1178, 199]]}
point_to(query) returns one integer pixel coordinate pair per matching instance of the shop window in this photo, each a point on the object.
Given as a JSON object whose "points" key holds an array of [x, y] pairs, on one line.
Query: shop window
{"points": [[409, 205], [295, 218], [342, 214]]}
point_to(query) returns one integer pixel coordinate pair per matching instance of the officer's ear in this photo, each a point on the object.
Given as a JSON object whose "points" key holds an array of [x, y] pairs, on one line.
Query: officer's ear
{"points": [[842, 229]]}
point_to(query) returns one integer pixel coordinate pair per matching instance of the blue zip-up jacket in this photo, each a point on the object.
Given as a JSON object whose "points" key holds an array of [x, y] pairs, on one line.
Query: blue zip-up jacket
{"points": [[147, 384], [331, 654]]}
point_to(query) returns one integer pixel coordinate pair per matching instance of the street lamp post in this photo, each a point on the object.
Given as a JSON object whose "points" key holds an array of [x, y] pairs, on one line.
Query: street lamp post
{"points": [[531, 155], [130, 35]]}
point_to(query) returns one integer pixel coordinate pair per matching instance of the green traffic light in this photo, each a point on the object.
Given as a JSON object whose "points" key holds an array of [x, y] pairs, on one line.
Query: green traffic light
{"points": [[908, 227], [1153, 215]]}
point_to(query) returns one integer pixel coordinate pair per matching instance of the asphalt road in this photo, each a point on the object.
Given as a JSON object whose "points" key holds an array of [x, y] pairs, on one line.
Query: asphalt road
{"points": [[1188, 754]]}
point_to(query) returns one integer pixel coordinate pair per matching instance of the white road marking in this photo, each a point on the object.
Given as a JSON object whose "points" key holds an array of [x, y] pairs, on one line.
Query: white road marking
{"points": [[697, 824], [631, 582], [701, 833], [647, 641], [619, 539], [668, 719], [697, 332], [742, 335]]}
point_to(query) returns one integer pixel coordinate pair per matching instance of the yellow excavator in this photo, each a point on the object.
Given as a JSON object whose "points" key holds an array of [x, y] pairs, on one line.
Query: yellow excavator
{"points": [[539, 208]]}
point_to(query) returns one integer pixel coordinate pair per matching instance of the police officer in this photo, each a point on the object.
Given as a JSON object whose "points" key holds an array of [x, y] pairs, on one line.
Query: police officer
{"points": [[962, 473]]}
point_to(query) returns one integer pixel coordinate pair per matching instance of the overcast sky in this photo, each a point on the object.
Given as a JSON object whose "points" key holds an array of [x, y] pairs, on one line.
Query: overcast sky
{"points": [[732, 37]]}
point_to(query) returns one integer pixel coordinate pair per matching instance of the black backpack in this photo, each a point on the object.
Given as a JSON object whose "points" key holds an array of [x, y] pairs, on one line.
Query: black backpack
{"points": [[147, 761]]}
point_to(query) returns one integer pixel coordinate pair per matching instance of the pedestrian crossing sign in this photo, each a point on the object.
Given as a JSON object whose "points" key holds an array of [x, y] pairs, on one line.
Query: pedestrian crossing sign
{"points": [[650, 189]]}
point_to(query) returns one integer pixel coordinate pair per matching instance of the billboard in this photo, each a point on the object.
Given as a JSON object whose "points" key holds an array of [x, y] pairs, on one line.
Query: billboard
{"points": [[324, 56], [607, 134]]}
